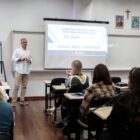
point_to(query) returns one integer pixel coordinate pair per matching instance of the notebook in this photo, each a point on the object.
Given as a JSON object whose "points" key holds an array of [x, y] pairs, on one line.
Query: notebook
{"points": [[103, 112], [77, 94]]}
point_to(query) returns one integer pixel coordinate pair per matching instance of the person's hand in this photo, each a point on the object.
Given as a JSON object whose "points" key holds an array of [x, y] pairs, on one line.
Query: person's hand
{"points": [[21, 59], [27, 60], [24, 59]]}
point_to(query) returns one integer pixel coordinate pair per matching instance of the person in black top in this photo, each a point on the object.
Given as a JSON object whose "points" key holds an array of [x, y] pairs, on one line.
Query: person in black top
{"points": [[124, 120]]}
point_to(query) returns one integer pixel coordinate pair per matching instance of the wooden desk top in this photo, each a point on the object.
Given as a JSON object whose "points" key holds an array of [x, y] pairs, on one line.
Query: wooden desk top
{"points": [[122, 87], [70, 96], [59, 87], [47, 82], [103, 112]]}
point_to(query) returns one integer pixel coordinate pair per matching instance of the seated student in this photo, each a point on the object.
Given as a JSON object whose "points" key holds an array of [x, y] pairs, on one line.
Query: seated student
{"points": [[124, 120], [102, 86], [76, 82], [6, 116]]}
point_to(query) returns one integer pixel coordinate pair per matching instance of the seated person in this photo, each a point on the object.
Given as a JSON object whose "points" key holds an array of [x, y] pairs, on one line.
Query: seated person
{"points": [[124, 120], [76, 82], [6, 116], [102, 86]]}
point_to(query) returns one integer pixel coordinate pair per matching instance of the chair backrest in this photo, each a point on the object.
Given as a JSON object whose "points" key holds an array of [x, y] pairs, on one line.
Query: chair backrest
{"points": [[5, 136], [57, 81], [116, 79]]}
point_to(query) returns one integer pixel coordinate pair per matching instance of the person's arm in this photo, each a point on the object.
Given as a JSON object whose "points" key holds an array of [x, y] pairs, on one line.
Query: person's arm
{"points": [[16, 57], [29, 58]]}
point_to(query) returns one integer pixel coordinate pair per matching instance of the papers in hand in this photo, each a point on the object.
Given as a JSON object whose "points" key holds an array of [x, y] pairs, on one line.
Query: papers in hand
{"points": [[103, 112]]}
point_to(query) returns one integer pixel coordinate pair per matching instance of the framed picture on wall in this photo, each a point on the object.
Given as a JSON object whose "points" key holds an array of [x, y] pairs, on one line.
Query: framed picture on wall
{"points": [[119, 21], [135, 22]]}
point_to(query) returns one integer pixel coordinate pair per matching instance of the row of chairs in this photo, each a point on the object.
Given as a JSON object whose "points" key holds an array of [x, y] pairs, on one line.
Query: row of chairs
{"points": [[59, 81]]}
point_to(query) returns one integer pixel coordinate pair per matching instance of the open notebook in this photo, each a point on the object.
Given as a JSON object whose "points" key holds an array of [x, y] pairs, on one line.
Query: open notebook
{"points": [[102, 112]]}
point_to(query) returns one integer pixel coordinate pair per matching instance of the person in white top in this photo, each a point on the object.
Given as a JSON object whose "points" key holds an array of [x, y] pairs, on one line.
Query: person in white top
{"points": [[22, 60]]}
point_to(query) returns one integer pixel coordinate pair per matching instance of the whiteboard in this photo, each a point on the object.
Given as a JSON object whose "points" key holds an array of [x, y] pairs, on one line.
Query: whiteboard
{"points": [[124, 50], [36, 43]]}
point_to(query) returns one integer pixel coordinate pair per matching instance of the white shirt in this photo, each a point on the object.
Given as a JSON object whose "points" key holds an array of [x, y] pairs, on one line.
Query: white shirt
{"points": [[22, 67]]}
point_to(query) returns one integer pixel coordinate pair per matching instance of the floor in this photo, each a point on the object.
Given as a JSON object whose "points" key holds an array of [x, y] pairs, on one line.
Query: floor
{"points": [[31, 123]]}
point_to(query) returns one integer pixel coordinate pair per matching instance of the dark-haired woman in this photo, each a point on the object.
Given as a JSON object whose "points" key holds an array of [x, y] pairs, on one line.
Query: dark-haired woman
{"points": [[124, 120], [102, 86]]}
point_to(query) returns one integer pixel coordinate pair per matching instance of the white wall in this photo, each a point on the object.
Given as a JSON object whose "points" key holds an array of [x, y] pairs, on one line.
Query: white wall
{"points": [[28, 15]]}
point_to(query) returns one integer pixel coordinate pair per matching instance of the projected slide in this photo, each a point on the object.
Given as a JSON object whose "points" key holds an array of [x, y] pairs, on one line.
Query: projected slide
{"points": [[66, 41], [78, 40]]}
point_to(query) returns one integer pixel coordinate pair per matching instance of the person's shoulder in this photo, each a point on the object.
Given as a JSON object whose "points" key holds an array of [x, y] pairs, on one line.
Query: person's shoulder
{"points": [[17, 49], [5, 104], [123, 98], [85, 76], [28, 50], [73, 76], [99, 85], [95, 85], [92, 87]]}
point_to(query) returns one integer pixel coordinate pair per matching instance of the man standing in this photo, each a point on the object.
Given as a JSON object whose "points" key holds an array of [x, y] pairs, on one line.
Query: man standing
{"points": [[22, 59]]}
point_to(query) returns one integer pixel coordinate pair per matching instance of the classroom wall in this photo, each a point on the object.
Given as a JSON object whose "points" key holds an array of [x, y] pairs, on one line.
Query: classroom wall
{"points": [[27, 15]]}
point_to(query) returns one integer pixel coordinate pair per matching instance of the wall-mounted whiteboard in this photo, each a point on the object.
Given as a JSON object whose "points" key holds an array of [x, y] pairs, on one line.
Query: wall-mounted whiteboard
{"points": [[36, 43], [124, 50]]}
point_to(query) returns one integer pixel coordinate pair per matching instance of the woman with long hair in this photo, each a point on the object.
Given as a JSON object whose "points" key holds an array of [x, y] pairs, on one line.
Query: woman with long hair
{"points": [[124, 120], [102, 86]]}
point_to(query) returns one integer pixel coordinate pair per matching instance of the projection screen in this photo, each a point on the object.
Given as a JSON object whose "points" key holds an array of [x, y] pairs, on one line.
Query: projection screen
{"points": [[66, 41]]}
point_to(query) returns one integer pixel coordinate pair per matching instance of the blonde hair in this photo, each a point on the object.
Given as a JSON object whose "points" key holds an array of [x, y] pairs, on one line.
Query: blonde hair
{"points": [[76, 67], [1, 96]]}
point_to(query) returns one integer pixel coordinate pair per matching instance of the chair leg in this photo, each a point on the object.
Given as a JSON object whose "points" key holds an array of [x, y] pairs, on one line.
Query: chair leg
{"points": [[78, 135], [89, 135], [68, 136]]}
